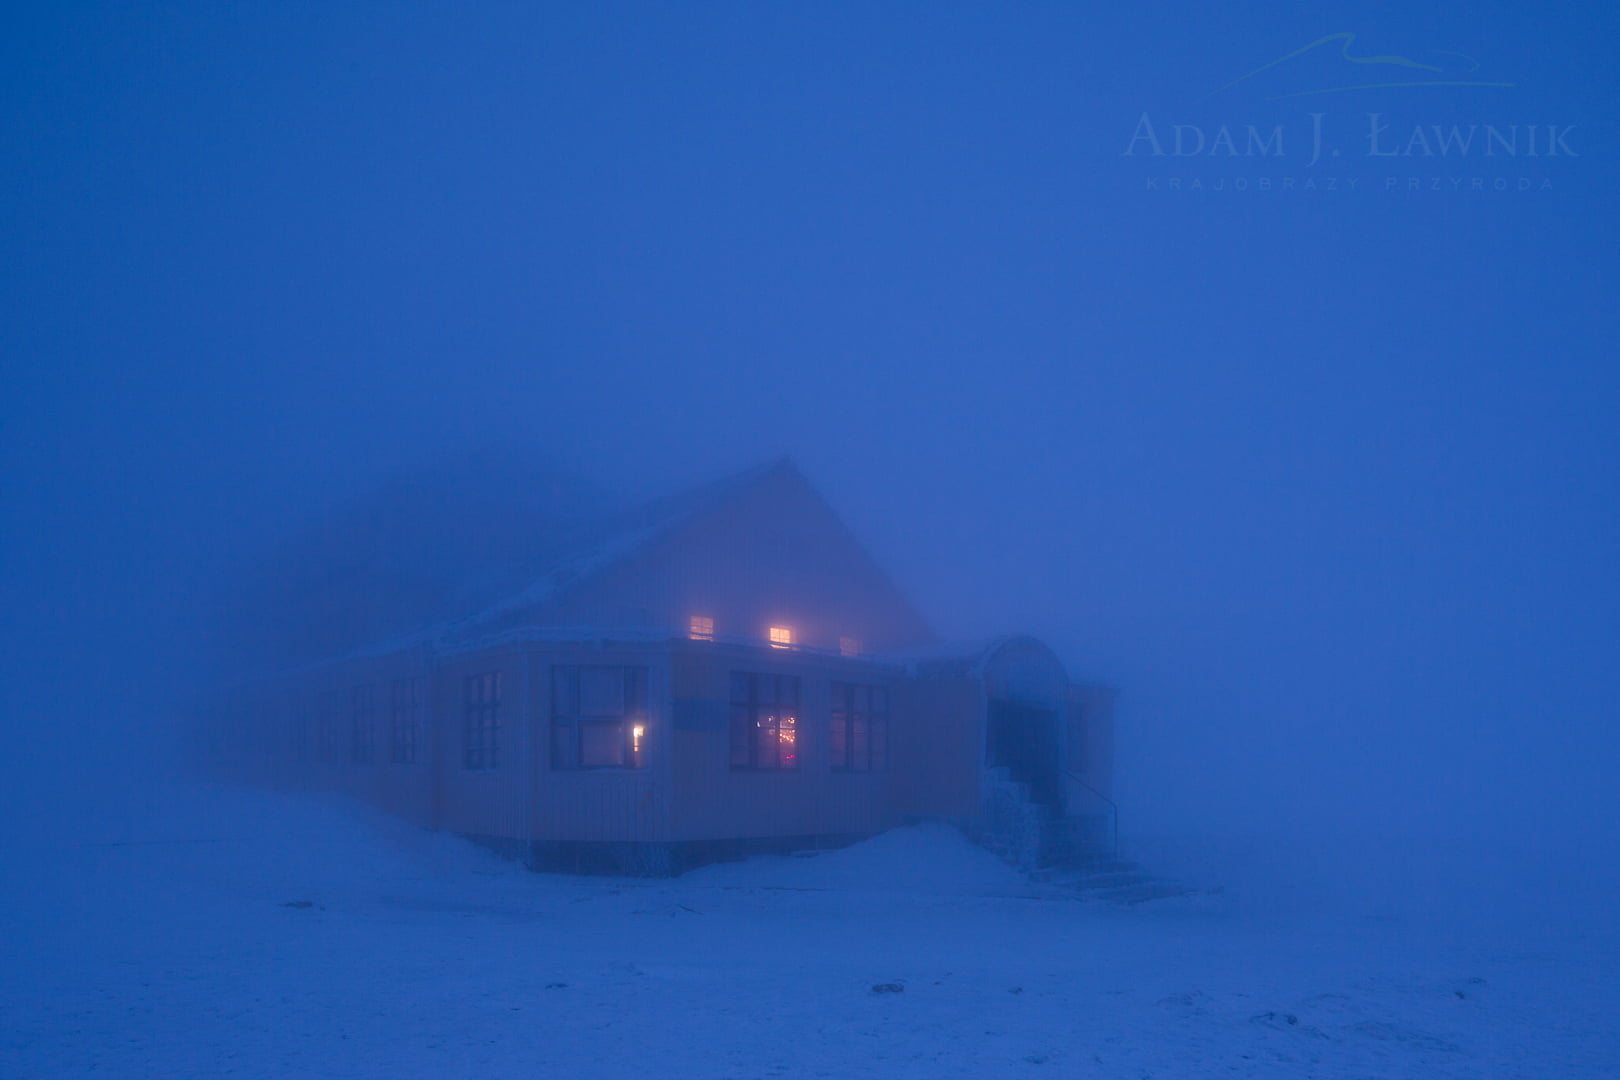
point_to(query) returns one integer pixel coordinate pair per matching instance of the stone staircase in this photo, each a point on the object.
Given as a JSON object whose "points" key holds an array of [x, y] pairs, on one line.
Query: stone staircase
{"points": [[1119, 881], [1073, 852]]}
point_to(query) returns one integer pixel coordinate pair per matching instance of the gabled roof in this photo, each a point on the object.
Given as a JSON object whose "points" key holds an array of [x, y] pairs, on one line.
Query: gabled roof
{"points": [[572, 561], [621, 539]]}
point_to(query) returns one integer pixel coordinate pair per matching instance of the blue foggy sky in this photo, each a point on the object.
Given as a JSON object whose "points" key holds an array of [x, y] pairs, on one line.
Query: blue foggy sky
{"points": [[1324, 481]]}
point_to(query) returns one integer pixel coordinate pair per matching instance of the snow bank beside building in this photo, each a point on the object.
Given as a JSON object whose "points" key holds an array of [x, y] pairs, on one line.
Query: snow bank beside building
{"points": [[917, 858], [203, 932]]}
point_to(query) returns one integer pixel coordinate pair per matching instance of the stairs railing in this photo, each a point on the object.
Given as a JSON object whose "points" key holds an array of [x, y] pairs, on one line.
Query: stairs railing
{"points": [[1074, 781]]}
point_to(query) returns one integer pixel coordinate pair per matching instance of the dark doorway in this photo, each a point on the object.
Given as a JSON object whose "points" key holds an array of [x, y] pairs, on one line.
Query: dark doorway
{"points": [[1024, 738]]}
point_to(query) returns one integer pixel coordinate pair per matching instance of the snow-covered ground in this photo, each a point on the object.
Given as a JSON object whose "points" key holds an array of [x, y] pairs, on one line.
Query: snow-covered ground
{"points": [[207, 932]]}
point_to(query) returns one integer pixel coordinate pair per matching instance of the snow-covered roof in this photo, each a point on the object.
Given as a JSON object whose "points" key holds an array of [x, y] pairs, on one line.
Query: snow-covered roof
{"points": [[625, 538], [967, 657], [571, 562], [970, 659]]}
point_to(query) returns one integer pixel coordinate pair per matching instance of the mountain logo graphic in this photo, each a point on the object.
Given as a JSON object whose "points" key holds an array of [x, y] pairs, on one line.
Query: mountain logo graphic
{"points": [[1377, 72]]}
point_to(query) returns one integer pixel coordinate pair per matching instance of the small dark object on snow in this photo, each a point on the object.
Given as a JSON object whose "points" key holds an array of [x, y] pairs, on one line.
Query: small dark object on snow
{"points": [[888, 988], [1272, 1017], [1015, 990], [299, 903], [556, 986], [1460, 994]]}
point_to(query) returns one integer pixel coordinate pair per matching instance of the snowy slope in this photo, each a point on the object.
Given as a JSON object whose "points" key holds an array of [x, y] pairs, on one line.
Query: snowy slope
{"points": [[160, 942]]}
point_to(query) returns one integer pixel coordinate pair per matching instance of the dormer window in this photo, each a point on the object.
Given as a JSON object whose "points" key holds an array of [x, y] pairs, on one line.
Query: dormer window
{"points": [[849, 646], [701, 628], [781, 637]]}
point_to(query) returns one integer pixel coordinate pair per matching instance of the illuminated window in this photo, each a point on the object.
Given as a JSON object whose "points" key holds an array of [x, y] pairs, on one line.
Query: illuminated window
{"points": [[598, 717], [781, 637], [859, 737], [702, 628], [849, 646], [764, 721], [481, 721]]}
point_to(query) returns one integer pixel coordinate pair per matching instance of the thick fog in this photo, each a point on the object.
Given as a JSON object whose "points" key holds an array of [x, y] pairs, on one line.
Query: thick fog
{"points": [[1322, 481], [1323, 485]]}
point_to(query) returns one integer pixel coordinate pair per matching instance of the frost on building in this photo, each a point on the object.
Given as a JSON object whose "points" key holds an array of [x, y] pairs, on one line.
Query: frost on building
{"points": [[718, 673]]}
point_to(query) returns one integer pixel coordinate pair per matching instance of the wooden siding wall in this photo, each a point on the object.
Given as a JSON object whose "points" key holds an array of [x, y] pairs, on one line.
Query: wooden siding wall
{"points": [[298, 733], [938, 742], [584, 805], [272, 734], [714, 802], [483, 802]]}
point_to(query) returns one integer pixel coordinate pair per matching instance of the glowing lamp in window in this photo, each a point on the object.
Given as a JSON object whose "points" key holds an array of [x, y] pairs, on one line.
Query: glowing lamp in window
{"points": [[781, 637], [701, 628], [787, 738], [849, 646]]}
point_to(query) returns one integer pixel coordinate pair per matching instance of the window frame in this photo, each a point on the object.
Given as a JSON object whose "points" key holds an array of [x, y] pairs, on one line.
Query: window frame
{"points": [[481, 721], [753, 712], [326, 727], [405, 720], [571, 718], [846, 718], [363, 725]]}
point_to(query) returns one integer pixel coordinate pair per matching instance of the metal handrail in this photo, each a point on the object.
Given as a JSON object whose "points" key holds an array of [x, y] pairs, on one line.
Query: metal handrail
{"points": [[1113, 811]]}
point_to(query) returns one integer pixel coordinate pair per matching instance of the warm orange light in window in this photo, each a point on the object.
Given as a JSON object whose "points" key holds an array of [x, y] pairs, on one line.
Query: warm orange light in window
{"points": [[702, 628], [636, 733], [781, 637], [849, 646]]}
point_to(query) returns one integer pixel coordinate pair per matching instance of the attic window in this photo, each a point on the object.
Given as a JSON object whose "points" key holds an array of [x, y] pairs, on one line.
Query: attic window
{"points": [[702, 628], [781, 637], [849, 646]]}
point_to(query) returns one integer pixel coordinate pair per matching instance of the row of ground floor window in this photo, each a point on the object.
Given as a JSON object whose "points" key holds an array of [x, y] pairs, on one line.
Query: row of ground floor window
{"points": [[701, 748], [600, 720]]}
